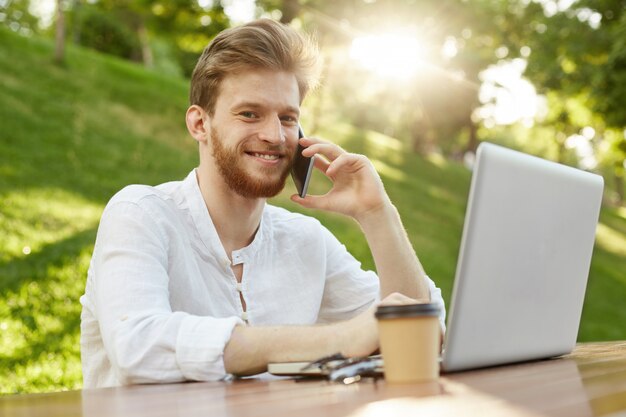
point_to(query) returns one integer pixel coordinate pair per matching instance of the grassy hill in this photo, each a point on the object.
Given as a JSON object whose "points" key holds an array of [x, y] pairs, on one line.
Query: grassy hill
{"points": [[71, 136]]}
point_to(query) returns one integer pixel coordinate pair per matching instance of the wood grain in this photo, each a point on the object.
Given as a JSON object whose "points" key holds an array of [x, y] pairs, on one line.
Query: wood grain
{"points": [[590, 381]]}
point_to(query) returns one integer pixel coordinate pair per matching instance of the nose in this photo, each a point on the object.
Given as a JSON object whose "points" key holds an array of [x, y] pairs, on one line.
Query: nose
{"points": [[272, 131]]}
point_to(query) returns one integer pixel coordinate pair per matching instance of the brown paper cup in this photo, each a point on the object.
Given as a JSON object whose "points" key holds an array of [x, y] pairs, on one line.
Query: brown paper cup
{"points": [[409, 342]]}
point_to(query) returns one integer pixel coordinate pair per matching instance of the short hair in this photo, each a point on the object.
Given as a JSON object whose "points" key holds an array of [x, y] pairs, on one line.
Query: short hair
{"points": [[260, 44]]}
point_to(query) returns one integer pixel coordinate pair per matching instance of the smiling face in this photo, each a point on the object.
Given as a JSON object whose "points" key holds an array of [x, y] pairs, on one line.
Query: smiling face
{"points": [[254, 131]]}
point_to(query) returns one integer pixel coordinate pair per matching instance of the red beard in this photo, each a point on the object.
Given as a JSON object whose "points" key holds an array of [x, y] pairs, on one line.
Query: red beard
{"points": [[231, 166]]}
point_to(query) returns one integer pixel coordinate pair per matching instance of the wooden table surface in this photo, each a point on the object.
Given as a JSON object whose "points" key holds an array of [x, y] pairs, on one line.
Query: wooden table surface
{"points": [[590, 381]]}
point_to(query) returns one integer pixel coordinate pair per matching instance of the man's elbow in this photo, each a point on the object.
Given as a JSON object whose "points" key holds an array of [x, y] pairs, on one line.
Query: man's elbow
{"points": [[141, 365]]}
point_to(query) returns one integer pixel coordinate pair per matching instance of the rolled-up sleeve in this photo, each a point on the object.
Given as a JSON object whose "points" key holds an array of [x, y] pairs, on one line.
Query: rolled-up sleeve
{"points": [[144, 339]]}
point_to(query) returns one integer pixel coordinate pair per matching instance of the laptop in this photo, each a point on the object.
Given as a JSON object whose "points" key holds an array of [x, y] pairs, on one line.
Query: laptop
{"points": [[523, 264], [524, 260]]}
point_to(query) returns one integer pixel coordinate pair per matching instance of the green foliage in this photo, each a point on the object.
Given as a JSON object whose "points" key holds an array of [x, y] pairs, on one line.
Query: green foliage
{"points": [[106, 32], [166, 61], [15, 15], [574, 56], [610, 88], [71, 137], [173, 32]]}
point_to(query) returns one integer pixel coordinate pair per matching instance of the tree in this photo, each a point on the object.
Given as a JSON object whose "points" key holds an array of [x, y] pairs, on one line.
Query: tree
{"points": [[59, 50], [581, 52], [132, 28]]}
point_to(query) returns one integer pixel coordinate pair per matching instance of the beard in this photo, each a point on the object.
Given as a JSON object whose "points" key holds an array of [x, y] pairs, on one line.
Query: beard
{"points": [[231, 166]]}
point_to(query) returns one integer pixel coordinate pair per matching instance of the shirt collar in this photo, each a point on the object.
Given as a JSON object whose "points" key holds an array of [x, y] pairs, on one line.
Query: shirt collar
{"points": [[206, 228], [200, 216]]}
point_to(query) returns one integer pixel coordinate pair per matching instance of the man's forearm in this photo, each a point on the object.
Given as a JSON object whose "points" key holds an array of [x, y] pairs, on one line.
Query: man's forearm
{"points": [[250, 349], [397, 264]]}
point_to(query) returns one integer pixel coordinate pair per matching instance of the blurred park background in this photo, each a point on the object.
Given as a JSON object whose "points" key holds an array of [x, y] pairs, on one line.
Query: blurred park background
{"points": [[93, 95]]}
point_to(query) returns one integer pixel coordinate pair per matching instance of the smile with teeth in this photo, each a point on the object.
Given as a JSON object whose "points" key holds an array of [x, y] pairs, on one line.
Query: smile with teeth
{"points": [[265, 156]]}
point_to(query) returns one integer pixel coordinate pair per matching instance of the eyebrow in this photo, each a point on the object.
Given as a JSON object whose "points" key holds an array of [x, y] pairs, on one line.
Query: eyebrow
{"points": [[256, 105]]}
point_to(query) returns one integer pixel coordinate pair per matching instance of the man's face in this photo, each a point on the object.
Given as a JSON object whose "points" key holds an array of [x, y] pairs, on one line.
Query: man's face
{"points": [[254, 131]]}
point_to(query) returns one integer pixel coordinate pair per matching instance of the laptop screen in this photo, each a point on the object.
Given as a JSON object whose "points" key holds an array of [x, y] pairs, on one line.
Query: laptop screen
{"points": [[524, 260]]}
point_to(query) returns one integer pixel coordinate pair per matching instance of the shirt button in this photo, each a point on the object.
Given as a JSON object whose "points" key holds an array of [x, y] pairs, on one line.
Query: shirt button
{"points": [[244, 316], [239, 287], [226, 263]]}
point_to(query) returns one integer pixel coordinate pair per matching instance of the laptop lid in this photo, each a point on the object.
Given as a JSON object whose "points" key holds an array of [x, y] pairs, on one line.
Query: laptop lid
{"points": [[524, 260]]}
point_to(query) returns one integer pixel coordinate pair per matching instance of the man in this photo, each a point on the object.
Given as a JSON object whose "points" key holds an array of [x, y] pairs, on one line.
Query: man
{"points": [[197, 279]]}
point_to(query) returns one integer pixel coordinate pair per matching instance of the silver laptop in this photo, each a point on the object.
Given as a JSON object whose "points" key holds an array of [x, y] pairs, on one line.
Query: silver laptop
{"points": [[524, 260]]}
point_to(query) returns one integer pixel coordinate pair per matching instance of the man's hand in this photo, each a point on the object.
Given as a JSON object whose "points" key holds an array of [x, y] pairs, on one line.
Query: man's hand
{"points": [[361, 332], [357, 188]]}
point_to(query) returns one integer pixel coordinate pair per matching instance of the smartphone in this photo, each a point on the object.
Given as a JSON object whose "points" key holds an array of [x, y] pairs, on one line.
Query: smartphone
{"points": [[302, 168]]}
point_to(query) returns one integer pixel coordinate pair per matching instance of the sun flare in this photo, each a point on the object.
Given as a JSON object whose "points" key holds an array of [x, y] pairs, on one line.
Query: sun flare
{"points": [[388, 55]]}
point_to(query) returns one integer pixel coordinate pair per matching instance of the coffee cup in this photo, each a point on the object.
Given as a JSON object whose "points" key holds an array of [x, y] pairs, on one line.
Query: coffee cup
{"points": [[410, 339]]}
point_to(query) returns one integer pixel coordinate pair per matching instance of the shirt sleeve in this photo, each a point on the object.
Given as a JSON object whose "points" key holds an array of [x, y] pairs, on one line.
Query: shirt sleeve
{"points": [[144, 339], [350, 290]]}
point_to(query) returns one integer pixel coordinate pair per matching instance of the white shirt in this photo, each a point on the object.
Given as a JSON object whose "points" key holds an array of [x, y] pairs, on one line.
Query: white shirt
{"points": [[161, 299]]}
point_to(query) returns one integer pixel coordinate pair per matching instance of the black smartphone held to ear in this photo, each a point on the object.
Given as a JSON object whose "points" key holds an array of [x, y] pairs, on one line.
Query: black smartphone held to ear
{"points": [[302, 168]]}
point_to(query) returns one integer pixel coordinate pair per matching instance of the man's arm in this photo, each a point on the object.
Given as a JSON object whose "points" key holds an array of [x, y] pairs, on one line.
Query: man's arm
{"points": [[358, 192], [397, 264], [251, 349]]}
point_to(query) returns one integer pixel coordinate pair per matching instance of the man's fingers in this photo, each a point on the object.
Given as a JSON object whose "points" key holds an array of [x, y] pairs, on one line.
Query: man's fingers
{"points": [[397, 298], [331, 168], [321, 164], [308, 141], [336, 157], [328, 150], [342, 161]]}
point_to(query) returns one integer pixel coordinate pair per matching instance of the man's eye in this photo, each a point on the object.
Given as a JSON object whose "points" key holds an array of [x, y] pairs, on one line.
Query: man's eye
{"points": [[289, 120], [248, 114]]}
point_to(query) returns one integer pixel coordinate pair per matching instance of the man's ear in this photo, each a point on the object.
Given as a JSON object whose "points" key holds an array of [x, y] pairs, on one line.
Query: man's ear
{"points": [[196, 125]]}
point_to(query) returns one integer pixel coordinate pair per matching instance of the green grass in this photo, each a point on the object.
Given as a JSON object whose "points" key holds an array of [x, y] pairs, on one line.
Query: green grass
{"points": [[69, 139], [71, 136]]}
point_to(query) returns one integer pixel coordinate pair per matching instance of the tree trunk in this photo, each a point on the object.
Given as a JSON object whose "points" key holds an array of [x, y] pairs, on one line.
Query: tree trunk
{"points": [[59, 50], [289, 11], [76, 11], [146, 50], [423, 135], [423, 139]]}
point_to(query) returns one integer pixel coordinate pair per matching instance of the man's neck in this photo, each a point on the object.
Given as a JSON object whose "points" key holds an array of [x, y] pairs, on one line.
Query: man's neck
{"points": [[236, 218]]}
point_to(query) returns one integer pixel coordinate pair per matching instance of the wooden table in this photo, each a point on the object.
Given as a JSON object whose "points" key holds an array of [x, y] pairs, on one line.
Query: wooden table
{"points": [[590, 381]]}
